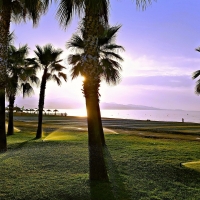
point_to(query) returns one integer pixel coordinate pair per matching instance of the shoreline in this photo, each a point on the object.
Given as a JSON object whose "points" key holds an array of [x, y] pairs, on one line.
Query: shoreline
{"points": [[144, 115], [142, 128]]}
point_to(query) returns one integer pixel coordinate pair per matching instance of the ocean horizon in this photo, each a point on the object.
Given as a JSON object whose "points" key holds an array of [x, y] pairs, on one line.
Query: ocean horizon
{"points": [[153, 115]]}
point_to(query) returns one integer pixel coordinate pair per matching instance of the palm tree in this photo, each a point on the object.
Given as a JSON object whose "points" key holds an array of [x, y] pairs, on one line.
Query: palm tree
{"points": [[15, 10], [20, 75], [108, 56], [108, 69], [47, 59], [96, 12]]}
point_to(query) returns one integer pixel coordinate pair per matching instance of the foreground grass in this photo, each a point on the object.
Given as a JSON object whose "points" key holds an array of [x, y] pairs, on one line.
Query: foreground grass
{"points": [[139, 167]]}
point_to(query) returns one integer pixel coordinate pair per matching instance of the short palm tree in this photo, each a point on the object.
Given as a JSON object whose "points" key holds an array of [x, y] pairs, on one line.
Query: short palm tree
{"points": [[13, 10], [108, 68], [47, 59], [19, 76], [95, 12]]}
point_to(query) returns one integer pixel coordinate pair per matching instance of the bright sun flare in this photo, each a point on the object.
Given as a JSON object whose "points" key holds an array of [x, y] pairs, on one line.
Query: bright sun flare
{"points": [[82, 78]]}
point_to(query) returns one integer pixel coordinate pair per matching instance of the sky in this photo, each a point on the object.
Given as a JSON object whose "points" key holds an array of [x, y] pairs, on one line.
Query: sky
{"points": [[159, 56]]}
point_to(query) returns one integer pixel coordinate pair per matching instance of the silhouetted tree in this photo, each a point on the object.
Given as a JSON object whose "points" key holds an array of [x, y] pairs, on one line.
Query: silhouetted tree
{"points": [[15, 10], [108, 57], [96, 12], [47, 59], [19, 76]]}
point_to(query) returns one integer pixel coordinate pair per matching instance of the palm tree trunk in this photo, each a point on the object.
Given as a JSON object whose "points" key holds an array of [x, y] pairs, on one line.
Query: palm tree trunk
{"points": [[10, 120], [41, 104], [96, 159], [5, 15], [3, 142], [103, 141], [91, 85]]}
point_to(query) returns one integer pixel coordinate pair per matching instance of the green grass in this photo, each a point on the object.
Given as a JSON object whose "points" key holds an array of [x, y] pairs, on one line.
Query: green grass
{"points": [[139, 167]]}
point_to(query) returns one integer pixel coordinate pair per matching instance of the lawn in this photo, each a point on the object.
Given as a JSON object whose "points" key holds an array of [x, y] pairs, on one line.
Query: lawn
{"points": [[142, 165]]}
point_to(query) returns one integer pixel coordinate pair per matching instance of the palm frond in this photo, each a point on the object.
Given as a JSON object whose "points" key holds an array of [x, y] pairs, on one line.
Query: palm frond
{"points": [[49, 76], [62, 75], [74, 59], [67, 9], [11, 38], [110, 71], [34, 79], [56, 67], [112, 47], [36, 8], [75, 43], [76, 70], [32, 62], [56, 79], [197, 88], [18, 11], [109, 35], [143, 3], [198, 49], [196, 74], [27, 89], [111, 55]]}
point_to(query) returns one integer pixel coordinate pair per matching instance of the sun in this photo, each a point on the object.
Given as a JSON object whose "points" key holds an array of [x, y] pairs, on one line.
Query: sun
{"points": [[82, 78]]}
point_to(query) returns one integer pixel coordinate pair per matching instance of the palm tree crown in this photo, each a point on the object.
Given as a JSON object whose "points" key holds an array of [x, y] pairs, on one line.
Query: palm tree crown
{"points": [[19, 71], [109, 66], [47, 59]]}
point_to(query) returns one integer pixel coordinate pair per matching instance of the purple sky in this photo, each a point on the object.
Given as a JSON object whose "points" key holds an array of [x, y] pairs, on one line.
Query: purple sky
{"points": [[159, 60]]}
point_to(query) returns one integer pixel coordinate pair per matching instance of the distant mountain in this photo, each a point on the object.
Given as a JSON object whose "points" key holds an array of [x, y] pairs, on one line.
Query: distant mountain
{"points": [[69, 104], [116, 106]]}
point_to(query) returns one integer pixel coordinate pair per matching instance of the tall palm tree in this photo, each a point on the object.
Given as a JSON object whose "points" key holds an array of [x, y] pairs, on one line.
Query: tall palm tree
{"points": [[47, 59], [19, 76], [95, 12], [108, 56], [15, 10]]}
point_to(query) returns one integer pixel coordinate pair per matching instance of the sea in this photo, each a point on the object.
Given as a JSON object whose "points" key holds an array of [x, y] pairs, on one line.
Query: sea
{"points": [[153, 115]]}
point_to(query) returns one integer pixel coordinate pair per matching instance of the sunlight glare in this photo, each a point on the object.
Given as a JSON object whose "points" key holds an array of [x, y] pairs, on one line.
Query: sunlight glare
{"points": [[83, 78]]}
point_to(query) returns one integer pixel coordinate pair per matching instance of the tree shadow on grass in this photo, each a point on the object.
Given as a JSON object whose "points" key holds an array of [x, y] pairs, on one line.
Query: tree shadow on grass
{"points": [[19, 145], [117, 184], [101, 190], [112, 190]]}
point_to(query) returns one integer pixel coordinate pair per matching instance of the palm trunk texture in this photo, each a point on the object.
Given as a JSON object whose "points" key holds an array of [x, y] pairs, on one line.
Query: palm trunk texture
{"points": [[5, 15], [91, 86], [41, 104], [10, 119], [3, 142]]}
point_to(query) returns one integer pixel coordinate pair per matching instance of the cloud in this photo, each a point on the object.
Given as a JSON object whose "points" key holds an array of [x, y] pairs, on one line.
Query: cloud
{"points": [[160, 81], [159, 66]]}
